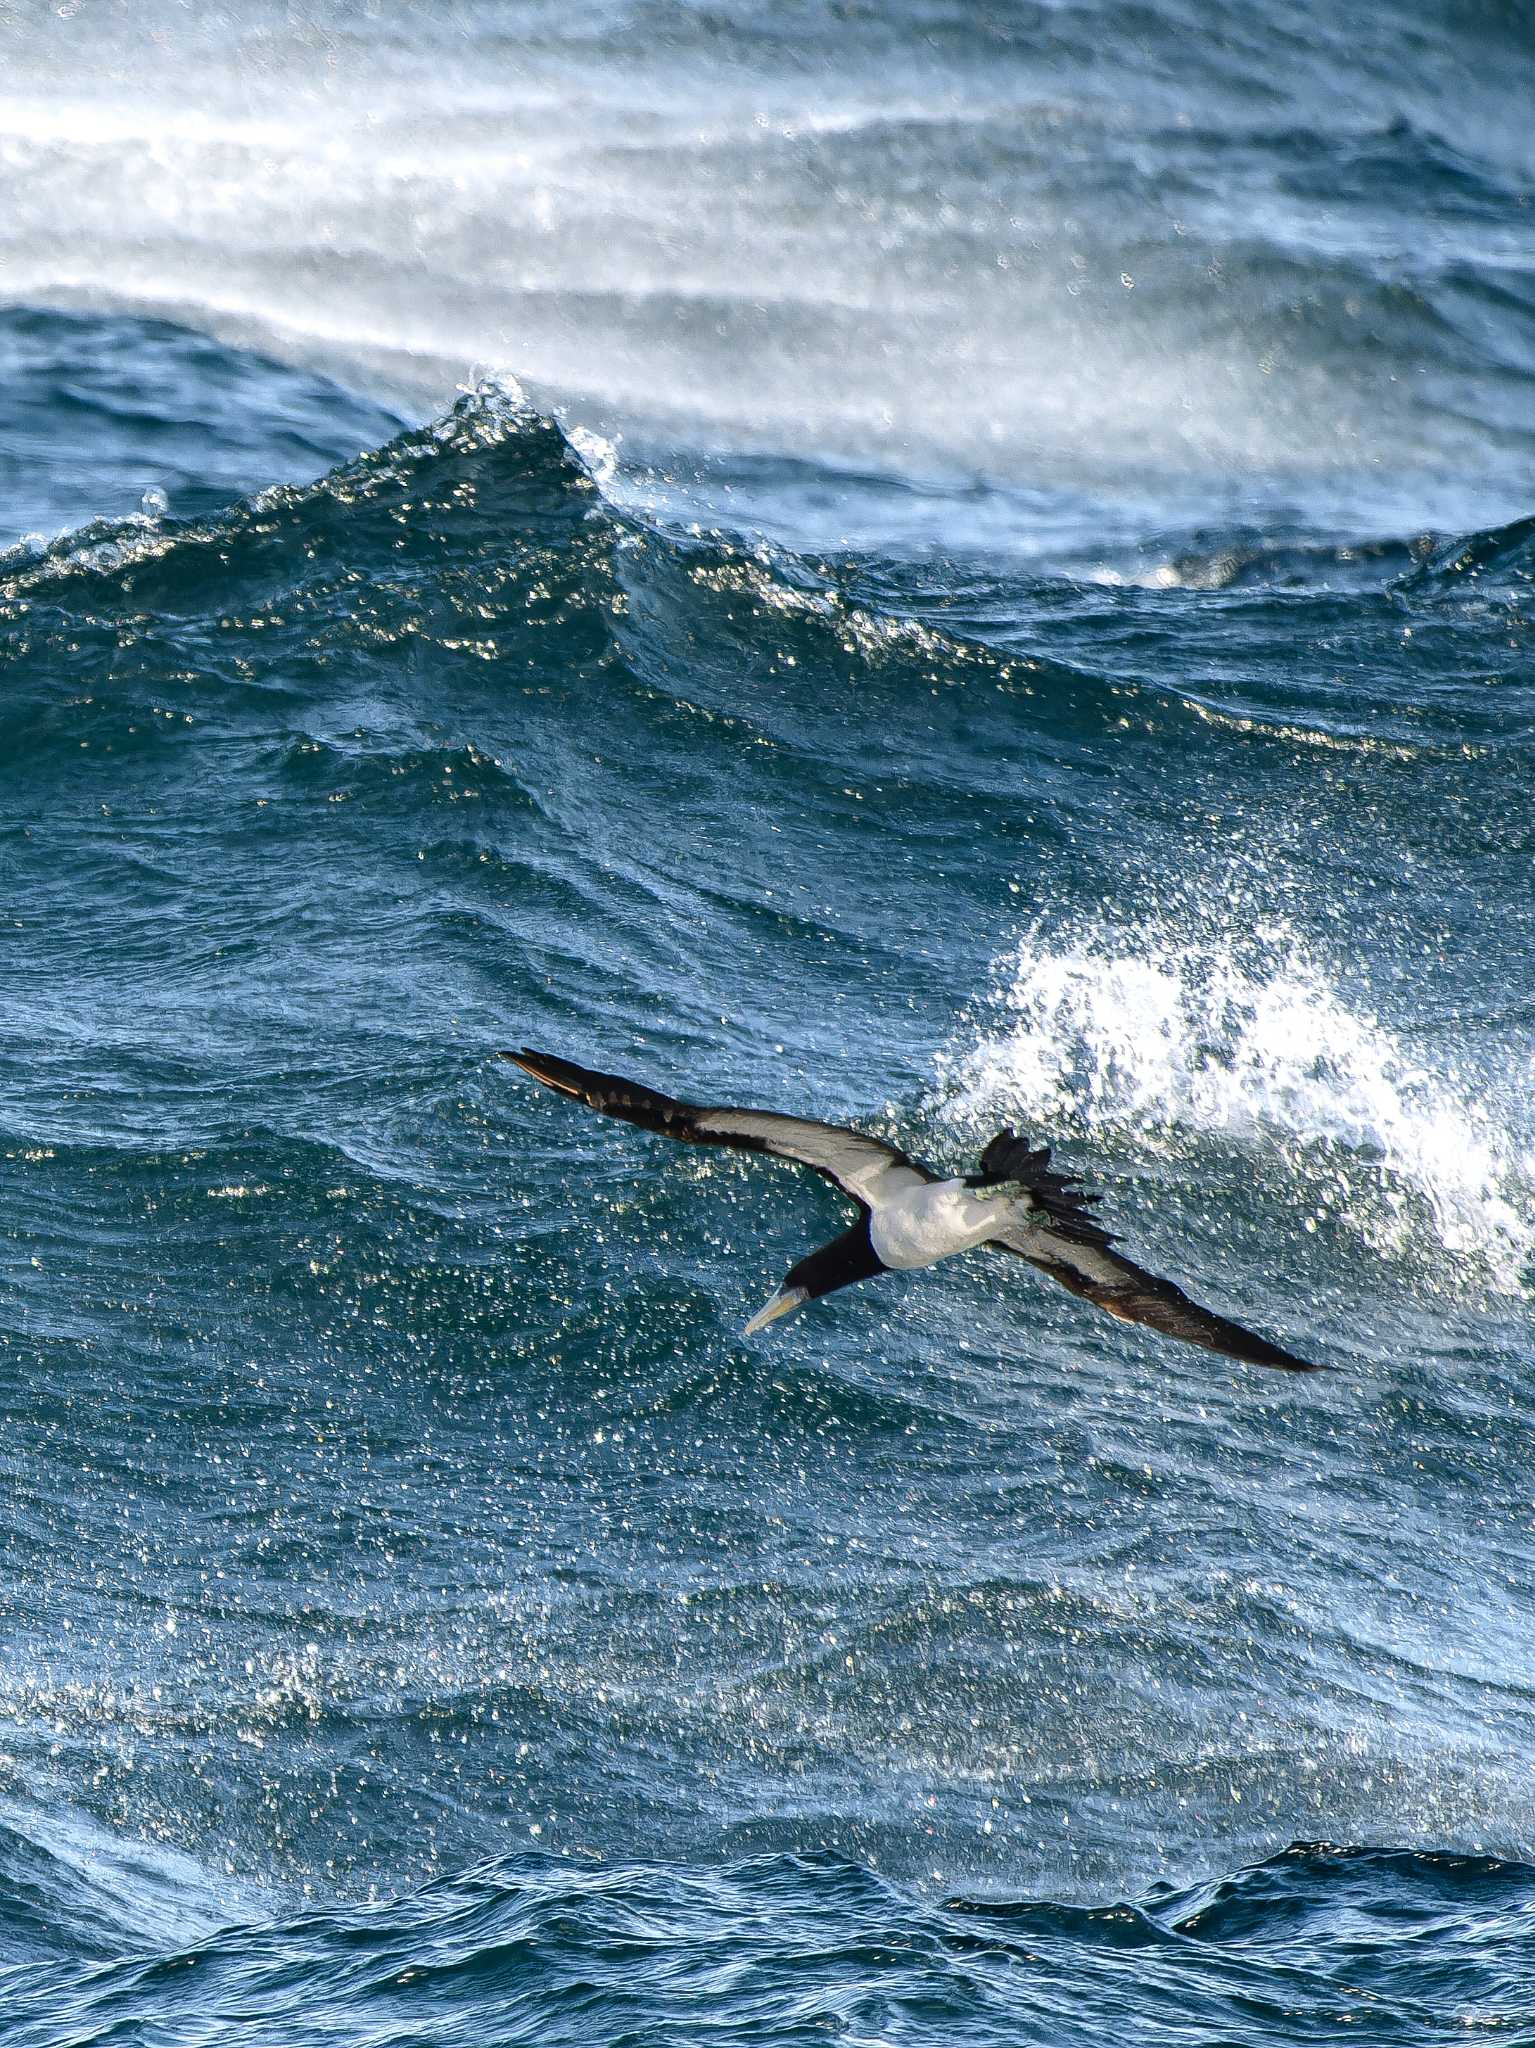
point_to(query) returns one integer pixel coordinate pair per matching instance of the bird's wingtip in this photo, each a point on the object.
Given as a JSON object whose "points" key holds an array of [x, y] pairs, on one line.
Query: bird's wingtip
{"points": [[1286, 1361], [546, 1067]]}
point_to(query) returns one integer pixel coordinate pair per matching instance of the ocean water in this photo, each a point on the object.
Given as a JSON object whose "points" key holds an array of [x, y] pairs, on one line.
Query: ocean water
{"points": [[935, 565]]}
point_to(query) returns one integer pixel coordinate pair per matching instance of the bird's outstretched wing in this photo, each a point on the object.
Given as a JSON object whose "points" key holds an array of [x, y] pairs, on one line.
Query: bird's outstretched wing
{"points": [[1057, 1234], [1083, 1258], [866, 1168]]}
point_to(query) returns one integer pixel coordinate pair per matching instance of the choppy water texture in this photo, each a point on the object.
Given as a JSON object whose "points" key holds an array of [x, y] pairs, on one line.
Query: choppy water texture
{"points": [[1002, 595]]}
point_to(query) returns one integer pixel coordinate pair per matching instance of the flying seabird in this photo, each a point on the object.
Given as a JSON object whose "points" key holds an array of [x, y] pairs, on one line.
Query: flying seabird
{"points": [[1014, 1202]]}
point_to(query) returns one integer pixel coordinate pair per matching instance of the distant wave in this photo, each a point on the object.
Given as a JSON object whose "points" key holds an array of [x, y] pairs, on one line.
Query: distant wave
{"points": [[938, 249]]}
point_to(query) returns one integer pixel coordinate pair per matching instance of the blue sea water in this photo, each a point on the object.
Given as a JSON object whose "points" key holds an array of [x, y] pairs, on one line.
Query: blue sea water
{"points": [[934, 565]]}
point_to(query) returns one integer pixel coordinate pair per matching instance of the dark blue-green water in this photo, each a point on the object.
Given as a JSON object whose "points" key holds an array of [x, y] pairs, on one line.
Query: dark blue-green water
{"points": [[929, 565]]}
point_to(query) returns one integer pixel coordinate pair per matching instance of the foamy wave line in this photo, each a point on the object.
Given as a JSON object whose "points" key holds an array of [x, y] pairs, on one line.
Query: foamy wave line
{"points": [[1248, 1039]]}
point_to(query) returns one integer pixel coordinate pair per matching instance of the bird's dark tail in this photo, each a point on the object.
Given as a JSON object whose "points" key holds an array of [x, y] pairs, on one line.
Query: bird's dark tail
{"points": [[1013, 1160], [1009, 1157]]}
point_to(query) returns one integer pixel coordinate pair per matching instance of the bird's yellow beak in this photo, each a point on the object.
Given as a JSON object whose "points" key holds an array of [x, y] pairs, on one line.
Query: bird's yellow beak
{"points": [[784, 1303]]}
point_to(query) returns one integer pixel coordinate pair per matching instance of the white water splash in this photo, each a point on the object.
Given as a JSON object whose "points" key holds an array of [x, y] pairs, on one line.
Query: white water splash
{"points": [[1251, 1041], [598, 455]]}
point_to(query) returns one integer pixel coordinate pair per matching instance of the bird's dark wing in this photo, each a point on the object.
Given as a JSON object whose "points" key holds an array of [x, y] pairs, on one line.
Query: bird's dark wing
{"points": [[1056, 1233], [866, 1168], [1115, 1283]]}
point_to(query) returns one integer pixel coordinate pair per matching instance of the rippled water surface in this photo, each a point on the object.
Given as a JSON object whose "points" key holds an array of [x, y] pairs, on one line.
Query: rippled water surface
{"points": [[925, 566]]}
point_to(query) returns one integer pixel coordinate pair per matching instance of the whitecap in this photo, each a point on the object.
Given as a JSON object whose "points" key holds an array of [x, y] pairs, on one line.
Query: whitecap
{"points": [[1250, 1039]]}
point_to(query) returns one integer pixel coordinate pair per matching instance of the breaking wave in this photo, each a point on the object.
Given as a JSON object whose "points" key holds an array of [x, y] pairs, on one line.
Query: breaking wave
{"points": [[1252, 1041]]}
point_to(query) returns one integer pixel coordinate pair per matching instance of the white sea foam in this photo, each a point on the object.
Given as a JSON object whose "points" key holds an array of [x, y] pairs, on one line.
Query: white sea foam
{"points": [[1249, 1039], [598, 455]]}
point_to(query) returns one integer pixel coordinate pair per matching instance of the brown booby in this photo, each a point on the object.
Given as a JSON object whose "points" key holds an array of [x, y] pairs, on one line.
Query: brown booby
{"points": [[911, 1217]]}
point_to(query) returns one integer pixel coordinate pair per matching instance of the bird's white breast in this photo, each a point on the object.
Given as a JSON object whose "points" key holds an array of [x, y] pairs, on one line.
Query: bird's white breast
{"points": [[925, 1224]]}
